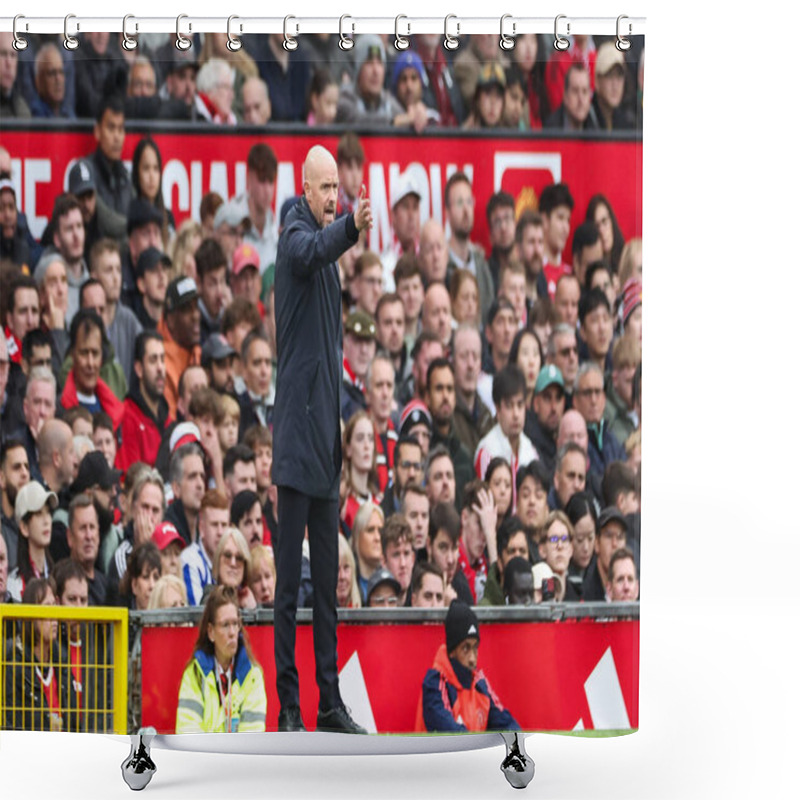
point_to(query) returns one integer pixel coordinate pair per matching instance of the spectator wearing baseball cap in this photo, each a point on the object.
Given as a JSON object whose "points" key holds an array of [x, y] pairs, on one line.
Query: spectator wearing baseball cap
{"points": [[455, 695], [405, 199], [145, 225], [358, 349], [610, 72], [180, 329], [544, 416], [217, 358], [170, 544], [383, 589], [99, 221], [246, 275], [151, 287], [612, 534], [33, 511]]}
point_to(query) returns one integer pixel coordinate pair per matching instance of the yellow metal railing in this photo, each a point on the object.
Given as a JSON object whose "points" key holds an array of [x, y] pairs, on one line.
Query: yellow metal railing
{"points": [[72, 676]]}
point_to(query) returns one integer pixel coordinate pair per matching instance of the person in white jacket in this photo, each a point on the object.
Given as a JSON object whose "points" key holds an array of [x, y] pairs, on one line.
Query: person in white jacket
{"points": [[506, 438]]}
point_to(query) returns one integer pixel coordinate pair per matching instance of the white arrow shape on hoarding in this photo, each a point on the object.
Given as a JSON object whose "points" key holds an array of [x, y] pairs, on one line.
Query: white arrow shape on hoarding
{"points": [[354, 693], [604, 695]]}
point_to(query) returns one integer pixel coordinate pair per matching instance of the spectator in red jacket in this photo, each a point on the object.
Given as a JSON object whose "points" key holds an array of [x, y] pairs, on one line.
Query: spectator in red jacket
{"points": [[146, 416], [84, 386]]}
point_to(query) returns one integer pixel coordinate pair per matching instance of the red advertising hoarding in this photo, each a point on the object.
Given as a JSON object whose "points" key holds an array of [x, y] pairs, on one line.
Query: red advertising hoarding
{"points": [[568, 675], [199, 159]]}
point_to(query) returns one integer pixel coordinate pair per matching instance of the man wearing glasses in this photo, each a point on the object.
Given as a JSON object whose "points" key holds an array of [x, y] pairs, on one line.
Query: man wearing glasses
{"points": [[589, 400], [562, 352], [383, 590]]}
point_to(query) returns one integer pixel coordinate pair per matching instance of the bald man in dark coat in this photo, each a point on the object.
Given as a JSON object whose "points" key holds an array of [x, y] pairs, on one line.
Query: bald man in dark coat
{"points": [[307, 447]]}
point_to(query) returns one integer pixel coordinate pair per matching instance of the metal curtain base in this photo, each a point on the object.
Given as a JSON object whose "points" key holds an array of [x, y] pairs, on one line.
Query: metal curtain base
{"points": [[517, 766], [138, 768]]}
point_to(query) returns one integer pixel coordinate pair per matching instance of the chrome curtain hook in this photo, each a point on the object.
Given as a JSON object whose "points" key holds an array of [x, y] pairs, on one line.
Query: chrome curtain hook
{"points": [[507, 42], [181, 42], [129, 42], [289, 42], [623, 43], [18, 43], [234, 43], [346, 42], [70, 42], [401, 42], [560, 42], [451, 42]]}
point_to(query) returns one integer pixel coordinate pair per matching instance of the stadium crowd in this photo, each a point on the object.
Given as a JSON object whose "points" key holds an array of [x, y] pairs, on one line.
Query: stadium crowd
{"points": [[491, 414]]}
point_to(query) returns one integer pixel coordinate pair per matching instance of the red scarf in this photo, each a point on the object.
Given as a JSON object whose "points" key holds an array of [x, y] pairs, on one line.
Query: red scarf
{"points": [[107, 399], [13, 345]]}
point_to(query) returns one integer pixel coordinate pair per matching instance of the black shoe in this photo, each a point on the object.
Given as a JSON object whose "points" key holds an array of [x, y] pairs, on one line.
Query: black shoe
{"points": [[338, 720], [290, 719]]}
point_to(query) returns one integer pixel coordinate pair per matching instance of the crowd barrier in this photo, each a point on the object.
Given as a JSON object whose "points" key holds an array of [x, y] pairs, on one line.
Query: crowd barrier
{"points": [[100, 679], [199, 157], [555, 666]]}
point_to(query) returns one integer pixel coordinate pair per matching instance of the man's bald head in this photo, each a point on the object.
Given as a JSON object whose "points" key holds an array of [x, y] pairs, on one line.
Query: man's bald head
{"points": [[321, 184], [317, 158], [433, 251], [53, 437], [573, 429]]}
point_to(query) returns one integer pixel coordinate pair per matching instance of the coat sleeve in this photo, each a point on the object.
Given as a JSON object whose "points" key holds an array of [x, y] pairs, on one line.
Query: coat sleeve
{"points": [[190, 702], [129, 450], [253, 713], [436, 710], [311, 250], [500, 718]]}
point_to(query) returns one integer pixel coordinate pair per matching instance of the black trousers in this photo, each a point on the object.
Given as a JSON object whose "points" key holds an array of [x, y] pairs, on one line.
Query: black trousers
{"points": [[295, 511]]}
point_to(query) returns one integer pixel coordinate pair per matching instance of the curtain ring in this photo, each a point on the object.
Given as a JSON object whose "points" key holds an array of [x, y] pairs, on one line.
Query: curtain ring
{"points": [[234, 43], [507, 42], [289, 42], [451, 42], [623, 43], [560, 42], [70, 42], [346, 42], [401, 42], [128, 42], [19, 43], [181, 42]]}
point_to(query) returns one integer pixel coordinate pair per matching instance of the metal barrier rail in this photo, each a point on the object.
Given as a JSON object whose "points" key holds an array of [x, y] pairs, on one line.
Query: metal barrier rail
{"points": [[133, 125], [100, 678], [542, 612]]}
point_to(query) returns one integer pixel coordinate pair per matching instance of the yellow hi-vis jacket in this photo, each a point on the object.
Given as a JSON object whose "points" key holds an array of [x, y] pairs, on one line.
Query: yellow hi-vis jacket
{"points": [[202, 710]]}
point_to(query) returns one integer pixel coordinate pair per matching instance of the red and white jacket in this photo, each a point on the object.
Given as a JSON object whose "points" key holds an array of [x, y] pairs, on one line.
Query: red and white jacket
{"points": [[496, 443]]}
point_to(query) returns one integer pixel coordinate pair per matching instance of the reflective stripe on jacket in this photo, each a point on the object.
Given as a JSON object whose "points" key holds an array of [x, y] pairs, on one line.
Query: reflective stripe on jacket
{"points": [[200, 707]]}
